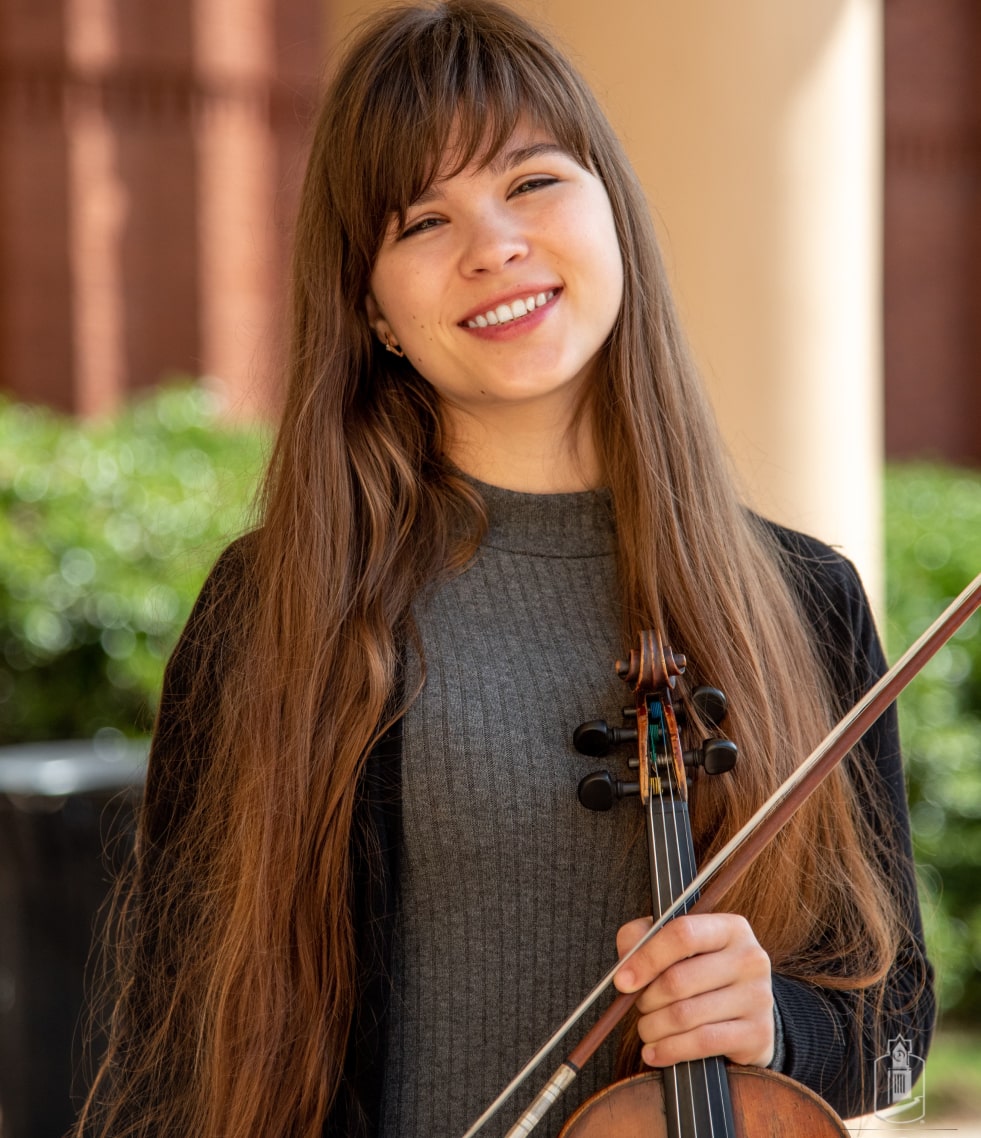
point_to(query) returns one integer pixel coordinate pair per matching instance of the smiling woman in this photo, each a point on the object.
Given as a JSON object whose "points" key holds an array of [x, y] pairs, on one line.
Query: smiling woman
{"points": [[364, 888], [502, 286]]}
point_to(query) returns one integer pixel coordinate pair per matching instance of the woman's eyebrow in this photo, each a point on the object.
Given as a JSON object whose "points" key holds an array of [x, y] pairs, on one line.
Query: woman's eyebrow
{"points": [[506, 159]]}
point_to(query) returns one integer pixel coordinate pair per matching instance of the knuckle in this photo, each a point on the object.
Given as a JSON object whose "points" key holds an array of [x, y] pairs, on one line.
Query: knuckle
{"points": [[680, 1015], [741, 927], [672, 983], [709, 1039], [685, 932], [761, 995]]}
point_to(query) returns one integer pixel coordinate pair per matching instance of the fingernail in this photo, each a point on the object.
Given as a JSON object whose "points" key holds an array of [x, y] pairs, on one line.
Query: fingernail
{"points": [[648, 1055]]}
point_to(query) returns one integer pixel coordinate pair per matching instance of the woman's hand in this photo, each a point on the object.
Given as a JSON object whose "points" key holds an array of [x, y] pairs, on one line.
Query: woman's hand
{"points": [[707, 990]]}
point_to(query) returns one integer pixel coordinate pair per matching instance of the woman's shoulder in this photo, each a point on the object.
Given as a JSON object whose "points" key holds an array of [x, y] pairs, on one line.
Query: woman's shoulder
{"points": [[233, 564], [817, 572], [833, 600], [228, 578], [215, 613]]}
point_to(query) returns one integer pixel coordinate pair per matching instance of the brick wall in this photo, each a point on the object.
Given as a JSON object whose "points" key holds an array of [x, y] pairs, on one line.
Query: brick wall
{"points": [[149, 161], [932, 264]]}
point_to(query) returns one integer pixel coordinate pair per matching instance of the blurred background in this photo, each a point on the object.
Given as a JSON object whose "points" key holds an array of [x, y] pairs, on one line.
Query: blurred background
{"points": [[813, 170]]}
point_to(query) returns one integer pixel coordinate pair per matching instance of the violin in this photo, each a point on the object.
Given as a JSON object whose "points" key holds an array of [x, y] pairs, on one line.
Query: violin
{"points": [[610, 1113], [705, 1097]]}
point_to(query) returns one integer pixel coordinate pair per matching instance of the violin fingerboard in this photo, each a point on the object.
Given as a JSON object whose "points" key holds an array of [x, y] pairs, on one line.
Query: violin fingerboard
{"points": [[696, 1094]]}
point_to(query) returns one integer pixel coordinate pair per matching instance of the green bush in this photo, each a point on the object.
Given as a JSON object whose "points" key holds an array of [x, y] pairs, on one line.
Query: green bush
{"points": [[106, 531], [933, 545]]}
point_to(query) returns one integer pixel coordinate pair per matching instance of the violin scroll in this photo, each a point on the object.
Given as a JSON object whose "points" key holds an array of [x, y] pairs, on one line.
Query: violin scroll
{"points": [[651, 665]]}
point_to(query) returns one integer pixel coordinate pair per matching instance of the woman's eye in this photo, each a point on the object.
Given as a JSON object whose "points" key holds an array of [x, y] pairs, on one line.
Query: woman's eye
{"points": [[419, 226], [529, 184]]}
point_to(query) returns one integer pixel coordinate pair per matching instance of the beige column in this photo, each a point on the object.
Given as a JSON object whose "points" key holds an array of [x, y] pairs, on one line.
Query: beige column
{"points": [[755, 127], [233, 46], [98, 205]]}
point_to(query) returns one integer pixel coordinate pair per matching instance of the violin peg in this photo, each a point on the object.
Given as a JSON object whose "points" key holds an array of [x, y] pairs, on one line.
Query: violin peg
{"points": [[599, 790], [596, 736], [711, 704], [719, 756], [715, 756]]}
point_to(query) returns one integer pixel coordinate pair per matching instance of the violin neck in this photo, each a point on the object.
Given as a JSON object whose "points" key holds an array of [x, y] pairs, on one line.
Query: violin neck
{"points": [[696, 1093]]}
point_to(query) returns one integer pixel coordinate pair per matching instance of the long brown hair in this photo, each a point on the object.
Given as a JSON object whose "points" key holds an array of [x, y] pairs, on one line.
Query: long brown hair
{"points": [[237, 965]]}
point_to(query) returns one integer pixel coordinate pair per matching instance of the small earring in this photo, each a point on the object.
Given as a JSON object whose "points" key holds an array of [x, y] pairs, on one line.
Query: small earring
{"points": [[391, 346]]}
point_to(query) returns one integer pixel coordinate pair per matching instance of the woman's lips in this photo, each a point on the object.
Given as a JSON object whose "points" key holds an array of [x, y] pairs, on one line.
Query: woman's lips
{"points": [[519, 308]]}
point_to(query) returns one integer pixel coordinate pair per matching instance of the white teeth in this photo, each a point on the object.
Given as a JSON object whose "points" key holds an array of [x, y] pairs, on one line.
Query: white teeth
{"points": [[505, 313]]}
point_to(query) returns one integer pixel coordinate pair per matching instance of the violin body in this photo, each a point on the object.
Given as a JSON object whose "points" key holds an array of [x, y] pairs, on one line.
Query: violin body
{"points": [[764, 1105]]}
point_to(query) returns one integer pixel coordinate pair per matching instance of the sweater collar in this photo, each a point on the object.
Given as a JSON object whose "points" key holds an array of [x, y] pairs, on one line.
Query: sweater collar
{"points": [[550, 525]]}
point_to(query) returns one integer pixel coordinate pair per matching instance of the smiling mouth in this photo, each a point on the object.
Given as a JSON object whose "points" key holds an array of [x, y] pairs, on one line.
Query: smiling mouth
{"points": [[506, 313]]}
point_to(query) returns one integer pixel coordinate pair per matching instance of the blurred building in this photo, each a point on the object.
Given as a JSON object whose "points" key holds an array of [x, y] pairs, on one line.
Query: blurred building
{"points": [[150, 155], [932, 254], [149, 161]]}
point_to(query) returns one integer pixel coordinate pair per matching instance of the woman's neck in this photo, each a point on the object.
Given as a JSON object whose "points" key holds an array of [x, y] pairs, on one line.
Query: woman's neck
{"points": [[521, 452]]}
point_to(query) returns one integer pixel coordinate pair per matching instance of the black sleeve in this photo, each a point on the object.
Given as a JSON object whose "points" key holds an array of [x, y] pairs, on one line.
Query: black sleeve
{"points": [[191, 686], [159, 909], [825, 1047], [180, 750]]}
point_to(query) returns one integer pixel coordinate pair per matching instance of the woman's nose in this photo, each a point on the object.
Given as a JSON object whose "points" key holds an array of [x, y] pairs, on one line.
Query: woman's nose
{"points": [[493, 242]]}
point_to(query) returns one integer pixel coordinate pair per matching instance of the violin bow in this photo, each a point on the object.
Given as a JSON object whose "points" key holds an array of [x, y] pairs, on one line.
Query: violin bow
{"points": [[721, 872]]}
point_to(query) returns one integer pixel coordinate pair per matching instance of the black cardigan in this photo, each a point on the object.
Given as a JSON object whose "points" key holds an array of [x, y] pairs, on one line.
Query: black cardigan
{"points": [[819, 1031]]}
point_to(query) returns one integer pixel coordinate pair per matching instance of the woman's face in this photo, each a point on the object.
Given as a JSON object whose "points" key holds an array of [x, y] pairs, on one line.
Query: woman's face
{"points": [[505, 281]]}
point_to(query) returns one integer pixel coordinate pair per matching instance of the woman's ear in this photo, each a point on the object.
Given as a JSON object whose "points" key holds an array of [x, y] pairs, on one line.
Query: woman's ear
{"points": [[371, 307], [380, 326]]}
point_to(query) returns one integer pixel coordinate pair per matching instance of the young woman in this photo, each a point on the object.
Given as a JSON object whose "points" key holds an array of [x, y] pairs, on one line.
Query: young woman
{"points": [[365, 890]]}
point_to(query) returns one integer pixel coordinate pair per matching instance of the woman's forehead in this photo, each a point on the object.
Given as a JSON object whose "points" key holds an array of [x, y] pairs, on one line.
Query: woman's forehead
{"points": [[525, 142]]}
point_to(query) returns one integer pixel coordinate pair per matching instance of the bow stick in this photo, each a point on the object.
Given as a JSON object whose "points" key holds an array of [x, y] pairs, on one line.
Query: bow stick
{"points": [[721, 872]]}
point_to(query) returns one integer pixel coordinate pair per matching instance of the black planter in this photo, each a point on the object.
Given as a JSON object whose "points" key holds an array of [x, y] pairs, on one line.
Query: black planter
{"points": [[66, 820]]}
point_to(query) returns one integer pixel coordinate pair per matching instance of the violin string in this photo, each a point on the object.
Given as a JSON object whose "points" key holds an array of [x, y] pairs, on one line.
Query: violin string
{"points": [[681, 1075], [714, 1091], [696, 1070], [720, 1078], [670, 1073]]}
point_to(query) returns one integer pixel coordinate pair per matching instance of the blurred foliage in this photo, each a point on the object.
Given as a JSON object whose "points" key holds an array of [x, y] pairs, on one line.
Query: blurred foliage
{"points": [[952, 1087], [107, 528], [933, 538]]}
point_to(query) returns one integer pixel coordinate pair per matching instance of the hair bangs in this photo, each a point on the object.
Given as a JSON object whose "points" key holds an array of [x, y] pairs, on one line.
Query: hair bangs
{"points": [[447, 89]]}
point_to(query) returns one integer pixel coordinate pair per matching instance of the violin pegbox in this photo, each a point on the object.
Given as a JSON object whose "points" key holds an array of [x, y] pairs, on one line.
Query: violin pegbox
{"points": [[651, 726]]}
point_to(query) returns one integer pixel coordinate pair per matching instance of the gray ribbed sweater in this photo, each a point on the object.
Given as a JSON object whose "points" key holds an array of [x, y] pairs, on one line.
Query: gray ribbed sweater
{"points": [[511, 892]]}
